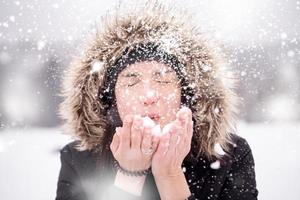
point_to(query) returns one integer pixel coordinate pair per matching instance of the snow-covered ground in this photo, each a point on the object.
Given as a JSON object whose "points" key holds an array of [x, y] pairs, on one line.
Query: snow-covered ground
{"points": [[29, 161]]}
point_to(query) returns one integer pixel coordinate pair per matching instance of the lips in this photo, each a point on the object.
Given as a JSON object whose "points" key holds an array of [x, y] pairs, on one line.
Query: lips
{"points": [[153, 116]]}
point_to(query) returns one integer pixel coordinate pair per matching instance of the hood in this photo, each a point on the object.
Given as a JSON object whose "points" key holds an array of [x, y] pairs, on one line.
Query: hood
{"points": [[214, 99]]}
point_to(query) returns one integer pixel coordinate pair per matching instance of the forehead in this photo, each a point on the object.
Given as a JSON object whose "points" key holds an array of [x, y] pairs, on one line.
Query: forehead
{"points": [[147, 66]]}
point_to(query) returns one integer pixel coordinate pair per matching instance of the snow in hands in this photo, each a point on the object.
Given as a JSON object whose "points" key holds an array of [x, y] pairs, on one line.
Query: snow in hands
{"points": [[156, 129]]}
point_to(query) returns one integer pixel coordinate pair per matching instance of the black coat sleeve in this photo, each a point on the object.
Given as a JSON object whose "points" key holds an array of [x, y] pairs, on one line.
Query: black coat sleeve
{"points": [[70, 186], [240, 183]]}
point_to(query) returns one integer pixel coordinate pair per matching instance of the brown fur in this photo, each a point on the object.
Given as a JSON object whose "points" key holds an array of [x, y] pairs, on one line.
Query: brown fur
{"points": [[215, 106]]}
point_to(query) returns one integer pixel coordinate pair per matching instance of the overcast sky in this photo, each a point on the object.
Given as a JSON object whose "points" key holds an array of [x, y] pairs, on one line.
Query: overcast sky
{"points": [[239, 21]]}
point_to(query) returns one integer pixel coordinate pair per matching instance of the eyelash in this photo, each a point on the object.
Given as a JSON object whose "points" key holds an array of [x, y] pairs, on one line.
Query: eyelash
{"points": [[130, 85], [163, 81], [166, 82]]}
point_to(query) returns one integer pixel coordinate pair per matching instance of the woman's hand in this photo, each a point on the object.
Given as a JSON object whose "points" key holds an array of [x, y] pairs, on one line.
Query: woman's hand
{"points": [[174, 146], [131, 143], [167, 160]]}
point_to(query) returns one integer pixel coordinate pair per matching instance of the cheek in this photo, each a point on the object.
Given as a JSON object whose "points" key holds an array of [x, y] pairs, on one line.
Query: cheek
{"points": [[171, 105], [126, 103], [172, 99]]}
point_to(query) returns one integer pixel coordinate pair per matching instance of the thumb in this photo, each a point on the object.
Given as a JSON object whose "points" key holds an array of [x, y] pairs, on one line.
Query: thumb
{"points": [[115, 141]]}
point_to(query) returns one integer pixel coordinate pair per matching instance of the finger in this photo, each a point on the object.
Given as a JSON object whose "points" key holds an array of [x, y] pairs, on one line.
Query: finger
{"points": [[147, 139], [188, 121], [191, 125], [155, 142], [136, 132], [117, 136], [190, 131], [163, 144], [175, 138], [187, 139], [180, 127], [115, 143], [126, 132], [183, 114]]}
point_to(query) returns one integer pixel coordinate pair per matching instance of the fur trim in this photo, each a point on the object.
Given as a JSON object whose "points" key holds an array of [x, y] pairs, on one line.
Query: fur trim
{"points": [[215, 102]]}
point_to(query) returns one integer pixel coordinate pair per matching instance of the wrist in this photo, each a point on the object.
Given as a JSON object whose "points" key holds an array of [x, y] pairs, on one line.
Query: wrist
{"points": [[168, 174], [129, 172], [173, 187], [131, 184]]}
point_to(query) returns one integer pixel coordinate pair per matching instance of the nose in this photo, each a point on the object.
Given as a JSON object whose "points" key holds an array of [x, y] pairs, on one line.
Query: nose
{"points": [[150, 97]]}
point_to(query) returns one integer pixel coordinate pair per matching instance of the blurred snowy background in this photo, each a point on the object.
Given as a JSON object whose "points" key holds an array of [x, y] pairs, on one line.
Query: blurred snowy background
{"points": [[38, 38]]}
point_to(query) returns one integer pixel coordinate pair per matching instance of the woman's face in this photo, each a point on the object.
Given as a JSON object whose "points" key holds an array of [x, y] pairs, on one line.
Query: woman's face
{"points": [[148, 89]]}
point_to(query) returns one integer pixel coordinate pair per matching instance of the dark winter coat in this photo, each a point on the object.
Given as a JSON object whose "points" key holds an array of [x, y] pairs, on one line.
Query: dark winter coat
{"points": [[234, 180]]}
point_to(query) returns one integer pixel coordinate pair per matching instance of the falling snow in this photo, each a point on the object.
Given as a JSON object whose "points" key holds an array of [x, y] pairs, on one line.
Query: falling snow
{"points": [[96, 66], [38, 40], [41, 44], [215, 165], [218, 149]]}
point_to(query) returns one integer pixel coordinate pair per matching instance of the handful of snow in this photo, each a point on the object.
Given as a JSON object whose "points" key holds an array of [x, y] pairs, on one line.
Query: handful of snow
{"points": [[156, 129]]}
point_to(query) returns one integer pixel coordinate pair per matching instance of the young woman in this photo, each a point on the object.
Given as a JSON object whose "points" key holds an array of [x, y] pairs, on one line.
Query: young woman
{"points": [[152, 112]]}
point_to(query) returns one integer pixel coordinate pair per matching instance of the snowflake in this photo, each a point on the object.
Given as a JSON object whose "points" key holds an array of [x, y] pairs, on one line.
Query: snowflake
{"points": [[218, 149], [215, 165], [96, 66]]}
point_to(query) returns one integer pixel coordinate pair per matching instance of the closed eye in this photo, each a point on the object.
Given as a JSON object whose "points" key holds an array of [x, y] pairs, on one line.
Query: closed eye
{"points": [[132, 84], [159, 81], [131, 75], [162, 73]]}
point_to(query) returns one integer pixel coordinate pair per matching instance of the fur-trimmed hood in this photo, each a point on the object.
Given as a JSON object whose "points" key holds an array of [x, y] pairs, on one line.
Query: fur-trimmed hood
{"points": [[214, 99]]}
